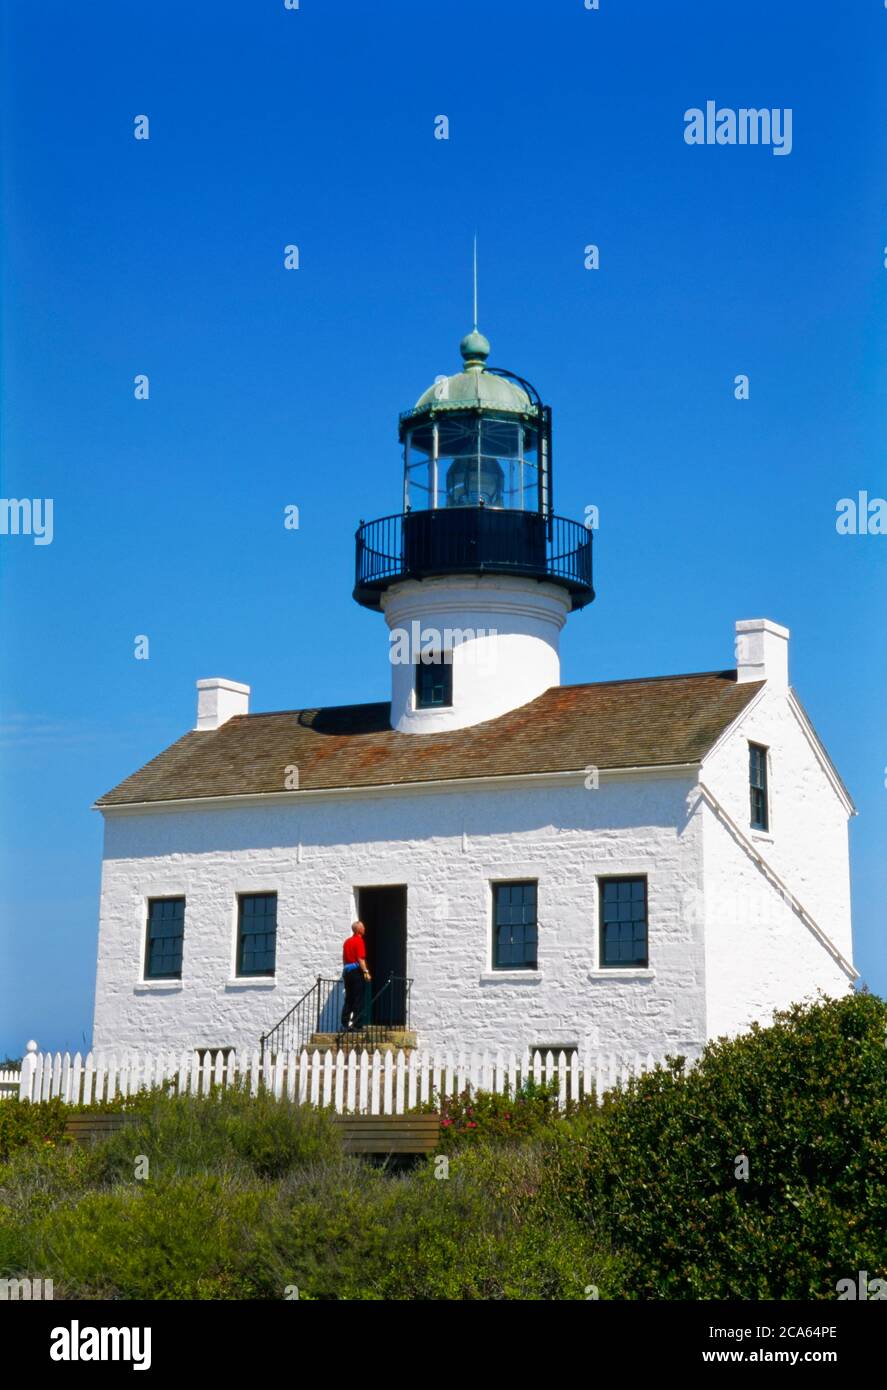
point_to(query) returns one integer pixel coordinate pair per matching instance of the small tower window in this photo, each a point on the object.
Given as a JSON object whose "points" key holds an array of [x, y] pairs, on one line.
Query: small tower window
{"points": [[434, 683], [757, 782]]}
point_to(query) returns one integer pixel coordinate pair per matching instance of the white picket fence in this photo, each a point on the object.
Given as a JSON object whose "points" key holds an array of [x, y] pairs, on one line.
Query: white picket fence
{"points": [[10, 1080], [375, 1083]]}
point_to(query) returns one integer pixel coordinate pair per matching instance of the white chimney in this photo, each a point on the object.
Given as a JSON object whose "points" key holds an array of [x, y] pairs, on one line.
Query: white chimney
{"points": [[218, 700], [762, 652]]}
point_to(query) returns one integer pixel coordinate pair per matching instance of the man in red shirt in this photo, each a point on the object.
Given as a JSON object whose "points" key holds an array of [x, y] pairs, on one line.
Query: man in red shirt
{"points": [[354, 975]]}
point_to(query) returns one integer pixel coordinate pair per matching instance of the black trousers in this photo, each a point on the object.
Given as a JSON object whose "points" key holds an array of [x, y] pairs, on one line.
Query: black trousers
{"points": [[353, 1006]]}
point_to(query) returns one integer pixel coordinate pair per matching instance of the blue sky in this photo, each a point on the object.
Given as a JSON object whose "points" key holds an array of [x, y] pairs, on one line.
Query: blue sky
{"points": [[268, 387]]}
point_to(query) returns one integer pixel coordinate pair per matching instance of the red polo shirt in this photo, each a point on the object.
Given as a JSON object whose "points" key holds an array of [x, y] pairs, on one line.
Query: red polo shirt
{"points": [[353, 950]]}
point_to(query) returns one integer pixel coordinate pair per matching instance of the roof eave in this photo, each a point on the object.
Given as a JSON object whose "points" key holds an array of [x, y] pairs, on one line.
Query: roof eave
{"points": [[564, 776]]}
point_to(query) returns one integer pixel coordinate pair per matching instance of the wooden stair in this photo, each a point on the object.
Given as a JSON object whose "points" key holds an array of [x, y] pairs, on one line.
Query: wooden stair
{"points": [[87, 1127], [388, 1134]]}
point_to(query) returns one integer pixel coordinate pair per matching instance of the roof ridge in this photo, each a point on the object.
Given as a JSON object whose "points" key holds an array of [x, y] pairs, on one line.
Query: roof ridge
{"points": [[644, 680], [728, 672]]}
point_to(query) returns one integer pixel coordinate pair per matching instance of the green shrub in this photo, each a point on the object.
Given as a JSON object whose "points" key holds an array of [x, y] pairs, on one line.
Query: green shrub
{"points": [[227, 1131], [805, 1100], [25, 1126], [35, 1124], [481, 1232], [245, 1197], [495, 1229], [642, 1198], [508, 1117], [157, 1240]]}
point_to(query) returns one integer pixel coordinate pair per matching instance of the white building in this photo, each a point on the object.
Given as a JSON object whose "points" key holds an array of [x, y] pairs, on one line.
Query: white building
{"points": [[629, 865]]}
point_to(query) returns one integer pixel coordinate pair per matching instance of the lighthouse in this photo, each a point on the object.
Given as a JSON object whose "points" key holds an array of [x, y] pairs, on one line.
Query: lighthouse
{"points": [[477, 575], [509, 902]]}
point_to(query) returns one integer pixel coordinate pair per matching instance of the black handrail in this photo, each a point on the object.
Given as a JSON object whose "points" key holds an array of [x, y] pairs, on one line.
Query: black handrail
{"points": [[320, 1011], [521, 381], [294, 1030], [388, 1009]]}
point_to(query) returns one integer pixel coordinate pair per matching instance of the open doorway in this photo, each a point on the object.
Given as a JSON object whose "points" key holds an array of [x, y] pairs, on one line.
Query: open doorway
{"points": [[383, 912]]}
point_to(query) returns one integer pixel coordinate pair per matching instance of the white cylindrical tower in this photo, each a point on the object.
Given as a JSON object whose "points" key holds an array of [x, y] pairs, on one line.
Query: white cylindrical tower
{"points": [[487, 644], [477, 575]]}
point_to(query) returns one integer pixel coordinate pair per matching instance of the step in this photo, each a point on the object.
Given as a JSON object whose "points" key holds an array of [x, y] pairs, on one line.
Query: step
{"points": [[388, 1134], [384, 1040]]}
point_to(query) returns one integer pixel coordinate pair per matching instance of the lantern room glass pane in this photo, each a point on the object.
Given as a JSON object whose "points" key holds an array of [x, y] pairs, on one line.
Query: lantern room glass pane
{"points": [[499, 438], [486, 460], [522, 470], [419, 467], [469, 476]]}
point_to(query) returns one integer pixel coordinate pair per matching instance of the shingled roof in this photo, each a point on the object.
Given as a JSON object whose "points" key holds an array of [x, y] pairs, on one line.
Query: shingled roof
{"points": [[613, 724]]}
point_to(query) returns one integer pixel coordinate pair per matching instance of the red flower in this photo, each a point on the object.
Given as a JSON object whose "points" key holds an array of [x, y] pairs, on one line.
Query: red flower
{"points": [[471, 1125]]}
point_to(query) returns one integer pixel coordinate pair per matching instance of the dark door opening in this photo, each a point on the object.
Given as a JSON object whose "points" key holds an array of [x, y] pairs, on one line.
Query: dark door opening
{"points": [[383, 912]]}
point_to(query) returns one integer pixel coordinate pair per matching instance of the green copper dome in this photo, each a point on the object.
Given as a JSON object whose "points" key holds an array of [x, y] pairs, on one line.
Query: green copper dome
{"points": [[474, 386]]}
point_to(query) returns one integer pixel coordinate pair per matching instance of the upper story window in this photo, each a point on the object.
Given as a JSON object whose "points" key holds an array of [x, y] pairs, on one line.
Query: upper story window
{"points": [[623, 922], [166, 932], [256, 933], [515, 937], [434, 683], [757, 784]]}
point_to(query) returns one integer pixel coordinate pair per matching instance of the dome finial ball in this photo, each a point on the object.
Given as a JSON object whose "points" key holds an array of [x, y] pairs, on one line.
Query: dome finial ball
{"points": [[475, 349]]}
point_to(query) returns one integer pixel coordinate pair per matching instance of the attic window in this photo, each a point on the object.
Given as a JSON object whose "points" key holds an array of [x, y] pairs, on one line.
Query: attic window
{"points": [[757, 783]]}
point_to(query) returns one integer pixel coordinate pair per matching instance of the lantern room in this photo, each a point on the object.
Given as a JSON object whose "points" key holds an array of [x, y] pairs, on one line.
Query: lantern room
{"points": [[481, 438], [477, 490]]}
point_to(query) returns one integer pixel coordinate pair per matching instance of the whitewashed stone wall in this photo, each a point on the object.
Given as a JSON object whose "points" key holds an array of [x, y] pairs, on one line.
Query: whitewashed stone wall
{"points": [[447, 847], [759, 954], [725, 948]]}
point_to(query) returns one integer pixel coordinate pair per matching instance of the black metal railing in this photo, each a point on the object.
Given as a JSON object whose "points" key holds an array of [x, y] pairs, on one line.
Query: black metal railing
{"points": [[476, 540], [295, 1029], [319, 1011], [388, 1010]]}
